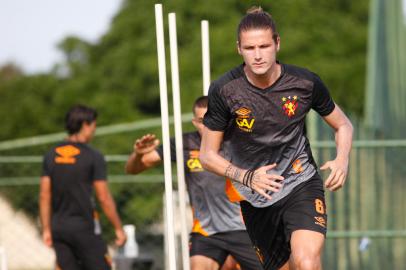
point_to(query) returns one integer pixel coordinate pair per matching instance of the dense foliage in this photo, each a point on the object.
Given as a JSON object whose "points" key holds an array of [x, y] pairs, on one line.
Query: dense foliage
{"points": [[118, 75]]}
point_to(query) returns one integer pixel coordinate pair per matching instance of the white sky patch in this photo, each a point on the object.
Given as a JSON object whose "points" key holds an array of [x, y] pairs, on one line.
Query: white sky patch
{"points": [[30, 30], [404, 11]]}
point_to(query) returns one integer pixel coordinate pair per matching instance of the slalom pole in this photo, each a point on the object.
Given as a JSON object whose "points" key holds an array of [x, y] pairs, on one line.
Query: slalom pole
{"points": [[170, 243], [178, 138], [205, 56]]}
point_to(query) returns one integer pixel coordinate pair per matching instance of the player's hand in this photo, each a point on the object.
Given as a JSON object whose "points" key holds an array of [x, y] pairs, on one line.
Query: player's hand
{"points": [[146, 144], [121, 238], [338, 174], [262, 181], [47, 238]]}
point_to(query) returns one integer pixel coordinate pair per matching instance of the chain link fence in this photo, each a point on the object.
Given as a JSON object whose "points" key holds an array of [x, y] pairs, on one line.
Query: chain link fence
{"points": [[367, 224]]}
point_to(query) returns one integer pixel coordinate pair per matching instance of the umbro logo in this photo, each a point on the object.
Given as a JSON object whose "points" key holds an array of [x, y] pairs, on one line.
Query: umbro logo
{"points": [[244, 119], [320, 221], [66, 154]]}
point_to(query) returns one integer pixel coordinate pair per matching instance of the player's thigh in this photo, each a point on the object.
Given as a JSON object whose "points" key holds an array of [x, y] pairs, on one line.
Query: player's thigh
{"points": [[306, 245], [305, 219], [65, 256], [92, 251], [207, 251], [199, 262], [230, 264]]}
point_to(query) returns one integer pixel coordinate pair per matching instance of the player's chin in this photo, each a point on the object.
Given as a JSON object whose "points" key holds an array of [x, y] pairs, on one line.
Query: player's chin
{"points": [[259, 71]]}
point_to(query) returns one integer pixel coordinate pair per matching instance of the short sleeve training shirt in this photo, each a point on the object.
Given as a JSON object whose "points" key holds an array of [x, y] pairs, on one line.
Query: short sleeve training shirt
{"points": [[265, 126], [73, 167], [213, 212]]}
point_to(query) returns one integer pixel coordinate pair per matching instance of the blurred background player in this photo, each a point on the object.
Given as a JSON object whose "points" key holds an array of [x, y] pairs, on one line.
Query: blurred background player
{"points": [[72, 170], [218, 229]]}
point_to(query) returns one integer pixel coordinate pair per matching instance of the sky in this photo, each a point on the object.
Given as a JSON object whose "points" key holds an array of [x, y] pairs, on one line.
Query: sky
{"points": [[404, 11], [31, 29]]}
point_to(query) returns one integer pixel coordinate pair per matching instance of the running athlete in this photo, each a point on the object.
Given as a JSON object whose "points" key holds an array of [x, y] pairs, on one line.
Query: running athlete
{"points": [[260, 107], [72, 170], [218, 230]]}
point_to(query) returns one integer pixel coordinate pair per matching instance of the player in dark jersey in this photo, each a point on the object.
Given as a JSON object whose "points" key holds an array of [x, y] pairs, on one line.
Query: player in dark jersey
{"points": [[72, 170], [259, 108], [218, 229]]}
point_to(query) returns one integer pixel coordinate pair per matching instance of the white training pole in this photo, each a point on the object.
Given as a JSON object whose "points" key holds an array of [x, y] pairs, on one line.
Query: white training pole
{"points": [[165, 136], [205, 56], [173, 43], [3, 258]]}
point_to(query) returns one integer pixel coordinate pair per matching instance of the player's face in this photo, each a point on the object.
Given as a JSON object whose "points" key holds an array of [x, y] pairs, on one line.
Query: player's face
{"points": [[258, 49], [198, 119], [88, 130]]}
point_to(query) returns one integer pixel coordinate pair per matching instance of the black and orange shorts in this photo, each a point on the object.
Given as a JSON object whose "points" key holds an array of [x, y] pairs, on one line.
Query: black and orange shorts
{"points": [[77, 250], [218, 246], [270, 228]]}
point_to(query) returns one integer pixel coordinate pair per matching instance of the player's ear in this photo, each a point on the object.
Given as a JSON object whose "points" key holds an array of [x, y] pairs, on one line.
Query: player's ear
{"points": [[278, 43], [238, 47], [195, 123]]}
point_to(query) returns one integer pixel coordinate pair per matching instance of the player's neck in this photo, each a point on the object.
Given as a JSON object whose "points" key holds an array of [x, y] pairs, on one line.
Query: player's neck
{"points": [[78, 138], [265, 80]]}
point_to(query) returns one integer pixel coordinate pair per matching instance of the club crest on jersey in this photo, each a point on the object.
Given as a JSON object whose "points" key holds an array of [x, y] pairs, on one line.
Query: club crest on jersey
{"points": [[244, 119], [193, 163], [289, 105]]}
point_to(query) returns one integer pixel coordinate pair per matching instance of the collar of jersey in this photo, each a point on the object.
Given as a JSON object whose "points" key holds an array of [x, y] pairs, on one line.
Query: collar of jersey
{"points": [[269, 88]]}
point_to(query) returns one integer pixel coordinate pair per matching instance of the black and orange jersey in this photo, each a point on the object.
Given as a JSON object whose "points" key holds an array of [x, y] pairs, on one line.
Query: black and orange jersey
{"points": [[266, 126], [73, 167], [213, 212]]}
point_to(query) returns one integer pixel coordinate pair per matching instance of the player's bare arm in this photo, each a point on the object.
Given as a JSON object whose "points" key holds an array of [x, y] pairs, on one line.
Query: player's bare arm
{"points": [[45, 209], [343, 137], [211, 160], [144, 155], [109, 208]]}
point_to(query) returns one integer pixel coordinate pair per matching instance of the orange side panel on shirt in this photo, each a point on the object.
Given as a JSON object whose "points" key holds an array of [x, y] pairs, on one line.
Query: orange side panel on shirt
{"points": [[197, 228], [232, 193], [297, 166]]}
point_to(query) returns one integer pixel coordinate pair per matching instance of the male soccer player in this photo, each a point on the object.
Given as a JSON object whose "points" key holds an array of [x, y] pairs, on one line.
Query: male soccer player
{"points": [[218, 229], [260, 107], [72, 170]]}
